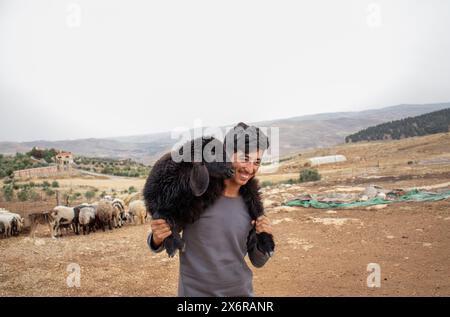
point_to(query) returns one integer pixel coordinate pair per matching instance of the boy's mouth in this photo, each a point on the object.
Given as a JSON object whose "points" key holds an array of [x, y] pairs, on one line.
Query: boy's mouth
{"points": [[244, 176]]}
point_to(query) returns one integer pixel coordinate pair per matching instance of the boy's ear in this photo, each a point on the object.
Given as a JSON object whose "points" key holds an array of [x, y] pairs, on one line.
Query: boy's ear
{"points": [[199, 179]]}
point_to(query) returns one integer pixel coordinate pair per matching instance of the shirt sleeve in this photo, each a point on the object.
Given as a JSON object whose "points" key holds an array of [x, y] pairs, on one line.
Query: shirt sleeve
{"points": [[152, 246]]}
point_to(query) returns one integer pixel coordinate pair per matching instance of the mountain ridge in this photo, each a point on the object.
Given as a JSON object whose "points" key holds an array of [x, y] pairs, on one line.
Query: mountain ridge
{"points": [[296, 134]]}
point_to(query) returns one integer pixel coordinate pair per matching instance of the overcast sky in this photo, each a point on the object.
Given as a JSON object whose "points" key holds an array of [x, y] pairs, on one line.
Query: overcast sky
{"points": [[100, 68]]}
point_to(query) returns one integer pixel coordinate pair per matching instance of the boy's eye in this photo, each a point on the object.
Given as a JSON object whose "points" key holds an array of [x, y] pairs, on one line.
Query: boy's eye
{"points": [[244, 158]]}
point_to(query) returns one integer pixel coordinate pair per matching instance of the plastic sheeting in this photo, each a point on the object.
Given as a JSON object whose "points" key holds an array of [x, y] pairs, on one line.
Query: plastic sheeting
{"points": [[413, 195]]}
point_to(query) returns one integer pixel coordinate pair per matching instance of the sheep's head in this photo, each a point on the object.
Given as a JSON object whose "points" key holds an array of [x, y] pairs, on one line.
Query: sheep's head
{"points": [[209, 161]]}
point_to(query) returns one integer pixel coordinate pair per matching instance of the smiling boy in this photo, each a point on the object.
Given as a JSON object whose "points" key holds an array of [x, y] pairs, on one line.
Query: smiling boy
{"points": [[213, 263]]}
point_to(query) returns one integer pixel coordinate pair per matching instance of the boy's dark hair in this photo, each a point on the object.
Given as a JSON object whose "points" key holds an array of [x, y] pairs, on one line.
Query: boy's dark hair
{"points": [[245, 138]]}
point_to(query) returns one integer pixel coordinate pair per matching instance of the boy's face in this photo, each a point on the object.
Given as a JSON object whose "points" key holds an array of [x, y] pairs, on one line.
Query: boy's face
{"points": [[245, 166]]}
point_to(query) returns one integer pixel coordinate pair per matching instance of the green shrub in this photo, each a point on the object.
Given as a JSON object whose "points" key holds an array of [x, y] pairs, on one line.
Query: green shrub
{"points": [[266, 183], [23, 194], [291, 181], [8, 192], [49, 192], [33, 195], [89, 195], [309, 175]]}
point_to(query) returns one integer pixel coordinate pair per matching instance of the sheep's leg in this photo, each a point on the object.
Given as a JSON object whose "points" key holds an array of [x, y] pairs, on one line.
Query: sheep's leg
{"points": [[76, 228], [52, 228], [173, 242], [33, 230], [265, 243], [179, 243], [55, 230]]}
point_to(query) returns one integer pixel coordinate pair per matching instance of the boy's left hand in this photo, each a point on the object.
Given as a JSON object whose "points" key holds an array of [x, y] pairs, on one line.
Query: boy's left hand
{"points": [[263, 225]]}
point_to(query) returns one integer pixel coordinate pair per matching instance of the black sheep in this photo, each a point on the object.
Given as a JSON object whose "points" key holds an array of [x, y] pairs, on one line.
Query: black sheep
{"points": [[180, 191]]}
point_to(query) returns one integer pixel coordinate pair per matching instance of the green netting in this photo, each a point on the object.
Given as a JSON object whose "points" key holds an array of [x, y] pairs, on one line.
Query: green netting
{"points": [[413, 195]]}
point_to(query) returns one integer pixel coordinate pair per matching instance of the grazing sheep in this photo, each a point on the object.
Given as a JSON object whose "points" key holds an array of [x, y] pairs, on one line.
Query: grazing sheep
{"points": [[118, 210], [64, 216], [180, 191], [7, 223], [119, 204], [104, 216], [87, 219], [43, 218], [76, 220], [15, 226], [138, 211]]}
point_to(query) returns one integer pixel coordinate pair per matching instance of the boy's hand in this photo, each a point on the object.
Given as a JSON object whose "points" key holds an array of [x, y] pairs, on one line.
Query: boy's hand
{"points": [[160, 230], [263, 225]]}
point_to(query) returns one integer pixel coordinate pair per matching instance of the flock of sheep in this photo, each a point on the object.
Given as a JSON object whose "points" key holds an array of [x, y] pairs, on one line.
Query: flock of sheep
{"points": [[107, 213]]}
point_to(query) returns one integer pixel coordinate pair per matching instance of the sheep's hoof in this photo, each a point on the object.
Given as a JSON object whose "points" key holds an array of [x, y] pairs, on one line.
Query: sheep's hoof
{"points": [[171, 253]]}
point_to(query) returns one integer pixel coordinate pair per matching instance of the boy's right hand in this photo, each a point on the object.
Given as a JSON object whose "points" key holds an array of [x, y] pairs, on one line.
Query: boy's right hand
{"points": [[161, 230]]}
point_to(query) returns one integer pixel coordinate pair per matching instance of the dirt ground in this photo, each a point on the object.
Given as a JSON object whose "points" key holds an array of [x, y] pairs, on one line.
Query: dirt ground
{"points": [[319, 252]]}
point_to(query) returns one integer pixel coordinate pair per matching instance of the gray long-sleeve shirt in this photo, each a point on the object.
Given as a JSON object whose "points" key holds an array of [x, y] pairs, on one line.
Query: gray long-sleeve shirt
{"points": [[216, 244]]}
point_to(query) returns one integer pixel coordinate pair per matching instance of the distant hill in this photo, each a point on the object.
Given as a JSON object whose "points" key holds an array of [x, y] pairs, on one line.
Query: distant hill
{"points": [[296, 134], [429, 123]]}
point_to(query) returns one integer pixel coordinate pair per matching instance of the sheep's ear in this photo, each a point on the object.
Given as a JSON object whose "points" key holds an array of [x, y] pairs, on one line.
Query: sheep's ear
{"points": [[199, 179]]}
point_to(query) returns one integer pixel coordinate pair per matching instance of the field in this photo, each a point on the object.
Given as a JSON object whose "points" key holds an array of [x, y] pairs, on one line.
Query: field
{"points": [[319, 251]]}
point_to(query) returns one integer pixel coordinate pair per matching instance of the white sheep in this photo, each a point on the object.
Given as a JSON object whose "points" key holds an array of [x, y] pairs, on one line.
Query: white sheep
{"points": [[138, 211], [62, 216], [16, 226], [7, 223], [87, 219]]}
